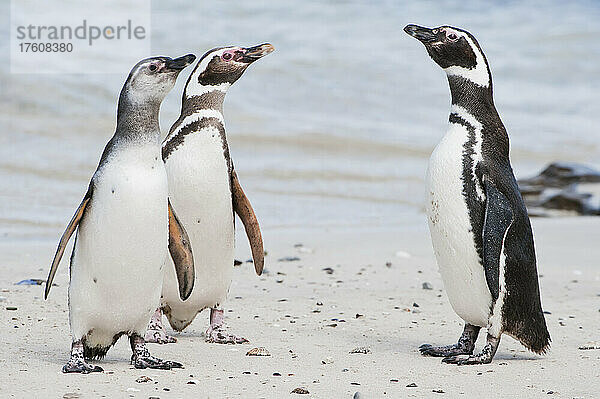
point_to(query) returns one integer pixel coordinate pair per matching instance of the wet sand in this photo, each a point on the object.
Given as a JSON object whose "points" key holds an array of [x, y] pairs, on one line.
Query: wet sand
{"points": [[309, 319]]}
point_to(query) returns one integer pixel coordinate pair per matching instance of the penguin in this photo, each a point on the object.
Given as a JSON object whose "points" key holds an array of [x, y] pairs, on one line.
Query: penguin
{"points": [[125, 224], [204, 188], [479, 226]]}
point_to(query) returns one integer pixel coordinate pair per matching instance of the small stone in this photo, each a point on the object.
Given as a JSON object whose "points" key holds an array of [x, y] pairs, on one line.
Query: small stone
{"points": [[345, 370], [394, 380], [438, 391], [361, 349], [355, 383], [288, 259], [71, 395], [427, 286], [357, 395], [388, 264], [416, 305], [411, 385], [142, 379], [300, 391], [550, 393], [260, 351], [359, 316], [327, 360], [11, 308], [276, 374], [193, 382], [328, 270]]}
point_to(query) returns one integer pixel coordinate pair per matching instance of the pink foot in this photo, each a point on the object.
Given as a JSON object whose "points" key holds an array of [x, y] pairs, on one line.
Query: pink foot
{"points": [[216, 333], [156, 332]]}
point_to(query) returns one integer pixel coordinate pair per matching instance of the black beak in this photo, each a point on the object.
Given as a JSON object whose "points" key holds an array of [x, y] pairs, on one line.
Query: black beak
{"points": [[177, 64], [424, 35], [251, 54]]}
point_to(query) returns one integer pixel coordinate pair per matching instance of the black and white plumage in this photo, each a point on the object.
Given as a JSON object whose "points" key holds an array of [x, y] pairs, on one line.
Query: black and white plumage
{"points": [[125, 226], [205, 190], [478, 222]]}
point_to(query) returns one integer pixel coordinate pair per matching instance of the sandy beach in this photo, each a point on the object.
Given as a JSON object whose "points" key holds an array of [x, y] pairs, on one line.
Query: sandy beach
{"points": [[309, 319]]}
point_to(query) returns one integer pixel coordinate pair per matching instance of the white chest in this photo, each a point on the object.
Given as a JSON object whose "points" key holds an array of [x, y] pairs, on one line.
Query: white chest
{"points": [[451, 231]]}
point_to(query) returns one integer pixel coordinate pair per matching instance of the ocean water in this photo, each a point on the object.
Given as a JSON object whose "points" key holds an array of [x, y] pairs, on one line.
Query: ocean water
{"points": [[332, 129]]}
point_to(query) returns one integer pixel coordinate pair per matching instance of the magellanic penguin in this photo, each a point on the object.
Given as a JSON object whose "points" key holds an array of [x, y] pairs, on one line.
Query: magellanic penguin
{"points": [[205, 190], [478, 222], [125, 224]]}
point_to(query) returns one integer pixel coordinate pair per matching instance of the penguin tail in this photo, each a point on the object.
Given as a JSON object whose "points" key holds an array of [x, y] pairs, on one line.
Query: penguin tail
{"points": [[532, 334]]}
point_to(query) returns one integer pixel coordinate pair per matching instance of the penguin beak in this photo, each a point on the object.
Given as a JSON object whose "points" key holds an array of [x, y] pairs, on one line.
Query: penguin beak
{"points": [[424, 35], [177, 64], [251, 54]]}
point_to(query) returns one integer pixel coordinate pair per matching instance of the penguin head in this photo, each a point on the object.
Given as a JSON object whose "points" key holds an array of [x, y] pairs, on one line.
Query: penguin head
{"points": [[151, 79], [219, 68], [455, 50]]}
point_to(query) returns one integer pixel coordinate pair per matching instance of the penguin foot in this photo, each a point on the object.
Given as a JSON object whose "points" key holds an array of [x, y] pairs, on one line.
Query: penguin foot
{"points": [[156, 332], [219, 336], [484, 357], [462, 360], [150, 362], [444, 351], [141, 358], [80, 366]]}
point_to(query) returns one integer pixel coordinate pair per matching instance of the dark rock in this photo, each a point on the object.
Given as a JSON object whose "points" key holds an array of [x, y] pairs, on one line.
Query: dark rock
{"points": [[301, 391], [411, 385], [557, 188]]}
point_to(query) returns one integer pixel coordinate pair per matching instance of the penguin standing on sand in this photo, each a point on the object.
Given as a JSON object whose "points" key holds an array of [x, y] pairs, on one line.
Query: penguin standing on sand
{"points": [[205, 190], [478, 222], [125, 225]]}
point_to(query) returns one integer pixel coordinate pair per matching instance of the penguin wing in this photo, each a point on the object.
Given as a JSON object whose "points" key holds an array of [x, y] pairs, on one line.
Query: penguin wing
{"points": [[498, 218], [181, 253], [243, 208], [64, 240]]}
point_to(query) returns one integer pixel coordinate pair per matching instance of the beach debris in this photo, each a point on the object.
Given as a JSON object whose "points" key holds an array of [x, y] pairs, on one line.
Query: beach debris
{"points": [[328, 270], [300, 391], [142, 379], [556, 188], [260, 351], [361, 349], [427, 286], [31, 281], [11, 308], [237, 262], [416, 305], [327, 360], [411, 385], [288, 259], [402, 254], [359, 316]]}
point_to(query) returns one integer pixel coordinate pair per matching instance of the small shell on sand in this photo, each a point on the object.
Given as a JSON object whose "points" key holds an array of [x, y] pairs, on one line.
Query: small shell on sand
{"points": [[261, 351]]}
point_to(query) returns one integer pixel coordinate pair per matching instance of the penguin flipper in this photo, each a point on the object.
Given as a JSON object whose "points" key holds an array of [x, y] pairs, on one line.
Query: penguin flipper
{"points": [[498, 218], [243, 208], [181, 253], [64, 240]]}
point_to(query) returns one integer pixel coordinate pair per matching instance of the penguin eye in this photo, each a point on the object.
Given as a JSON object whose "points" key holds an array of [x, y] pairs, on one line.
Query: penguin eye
{"points": [[152, 67], [227, 56], [452, 36]]}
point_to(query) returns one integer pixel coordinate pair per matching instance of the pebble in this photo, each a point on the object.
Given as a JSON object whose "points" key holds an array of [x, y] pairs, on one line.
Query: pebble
{"points": [[388, 264], [142, 379], [193, 382], [411, 385], [301, 391], [288, 259], [328, 270], [357, 395], [11, 308], [438, 391], [416, 305], [361, 349], [427, 286], [327, 360]]}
